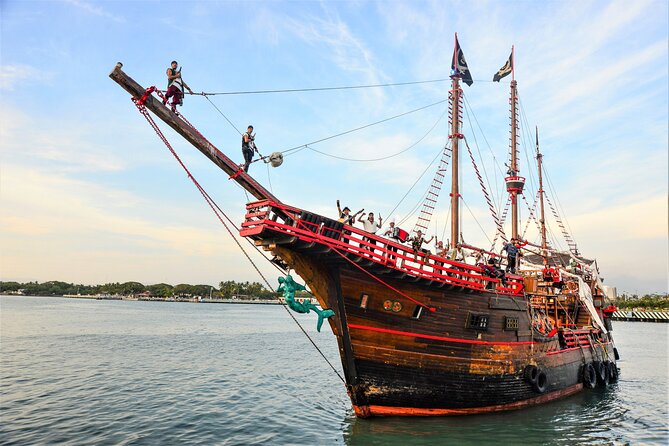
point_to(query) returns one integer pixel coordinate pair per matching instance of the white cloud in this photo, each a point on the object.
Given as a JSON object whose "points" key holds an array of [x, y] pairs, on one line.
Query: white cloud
{"points": [[66, 229], [93, 9], [15, 75]]}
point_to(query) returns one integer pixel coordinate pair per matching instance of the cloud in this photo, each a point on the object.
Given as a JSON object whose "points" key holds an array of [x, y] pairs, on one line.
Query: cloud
{"points": [[15, 75], [95, 10], [111, 234], [64, 145]]}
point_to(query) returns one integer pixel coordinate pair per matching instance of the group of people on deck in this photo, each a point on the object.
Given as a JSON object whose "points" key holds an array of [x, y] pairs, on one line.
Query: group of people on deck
{"points": [[491, 267]]}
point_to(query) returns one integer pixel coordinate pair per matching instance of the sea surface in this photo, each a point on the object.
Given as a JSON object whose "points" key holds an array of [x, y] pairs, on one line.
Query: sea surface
{"points": [[80, 372]]}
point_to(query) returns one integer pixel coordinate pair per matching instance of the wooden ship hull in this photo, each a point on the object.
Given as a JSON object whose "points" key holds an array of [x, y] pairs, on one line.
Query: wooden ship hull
{"points": [[418, 334], [435, 337]]}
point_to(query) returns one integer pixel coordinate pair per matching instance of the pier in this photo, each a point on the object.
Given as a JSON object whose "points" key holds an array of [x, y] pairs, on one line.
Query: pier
{"points": [[640, 316]]}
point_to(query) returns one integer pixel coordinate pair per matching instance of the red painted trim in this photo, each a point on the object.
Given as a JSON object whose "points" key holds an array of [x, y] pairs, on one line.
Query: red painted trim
{"points": [[563, 351], [436, 338], [387, 411]]}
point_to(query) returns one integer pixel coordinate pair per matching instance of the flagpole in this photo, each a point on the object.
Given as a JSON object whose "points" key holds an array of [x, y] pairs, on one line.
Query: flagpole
{"points": [[455, 46], [455, 135], [513, 65]]}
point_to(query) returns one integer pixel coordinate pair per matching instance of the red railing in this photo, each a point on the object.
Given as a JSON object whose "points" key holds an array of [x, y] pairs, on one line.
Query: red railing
{"points": [[346, 240]]}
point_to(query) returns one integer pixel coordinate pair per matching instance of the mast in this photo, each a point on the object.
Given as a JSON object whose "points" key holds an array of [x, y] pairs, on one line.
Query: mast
{"points": [[454, 98], [542, 220], [455, 180], [191, 135], [514, 183]]}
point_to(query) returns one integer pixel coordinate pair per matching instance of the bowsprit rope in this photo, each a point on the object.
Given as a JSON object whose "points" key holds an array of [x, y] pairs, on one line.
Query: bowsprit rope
{"points": [[142, 109]]}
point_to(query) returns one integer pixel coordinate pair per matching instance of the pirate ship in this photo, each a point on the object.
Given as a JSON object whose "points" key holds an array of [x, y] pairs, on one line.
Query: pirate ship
{"points": [[432, 334]]}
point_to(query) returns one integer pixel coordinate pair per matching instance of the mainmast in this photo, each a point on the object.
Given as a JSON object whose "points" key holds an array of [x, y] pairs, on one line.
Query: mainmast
{"points": [[459, 69], [454, 97], [542, 220], [514, 183]]}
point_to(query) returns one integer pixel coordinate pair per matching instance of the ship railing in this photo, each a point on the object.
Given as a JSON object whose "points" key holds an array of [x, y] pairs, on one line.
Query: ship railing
{"points": [[364, 246]]}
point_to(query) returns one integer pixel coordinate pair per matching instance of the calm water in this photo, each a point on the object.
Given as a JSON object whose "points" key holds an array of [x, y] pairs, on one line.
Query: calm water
{"points": [[116, 372]]}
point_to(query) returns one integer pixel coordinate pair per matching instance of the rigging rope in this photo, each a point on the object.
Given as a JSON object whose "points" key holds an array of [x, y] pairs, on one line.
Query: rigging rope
{"points": [[383, 157], [502, 220], [297, 90], [475, 219], [469, 112], [303, 146], [531, 216], [567, 237], [416, 182], [500, 228]]}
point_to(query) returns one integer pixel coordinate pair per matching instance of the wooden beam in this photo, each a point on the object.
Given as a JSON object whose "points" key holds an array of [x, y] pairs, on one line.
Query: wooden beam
{"points": [[191, 135]]}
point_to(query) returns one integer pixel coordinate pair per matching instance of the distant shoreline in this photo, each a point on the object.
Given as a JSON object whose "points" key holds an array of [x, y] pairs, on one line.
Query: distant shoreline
{"points": [[157, 299]]}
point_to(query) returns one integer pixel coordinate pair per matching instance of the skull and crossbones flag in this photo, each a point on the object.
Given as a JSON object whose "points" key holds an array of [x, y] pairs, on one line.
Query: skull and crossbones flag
{"points": [[505, 70], [459, 64]]}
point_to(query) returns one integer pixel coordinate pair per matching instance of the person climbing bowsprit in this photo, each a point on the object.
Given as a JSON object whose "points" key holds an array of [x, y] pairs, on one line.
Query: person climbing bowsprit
{"points": [[175, 86], [248, 147]]}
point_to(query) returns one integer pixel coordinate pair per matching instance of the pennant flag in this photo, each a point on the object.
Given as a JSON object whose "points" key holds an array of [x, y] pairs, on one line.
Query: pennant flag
{"points": [[459, 65], [505, 70]]}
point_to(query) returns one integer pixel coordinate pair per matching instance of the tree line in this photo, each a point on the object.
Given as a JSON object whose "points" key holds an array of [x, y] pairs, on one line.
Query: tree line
{"points": [[648, 302], [225, 290]]}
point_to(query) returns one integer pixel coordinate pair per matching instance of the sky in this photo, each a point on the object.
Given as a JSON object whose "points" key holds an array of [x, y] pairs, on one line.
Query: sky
{"points": [[89, 194]]}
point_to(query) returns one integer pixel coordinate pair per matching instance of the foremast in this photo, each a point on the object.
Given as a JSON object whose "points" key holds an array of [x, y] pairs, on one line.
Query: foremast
{"points": [[542, 217]]}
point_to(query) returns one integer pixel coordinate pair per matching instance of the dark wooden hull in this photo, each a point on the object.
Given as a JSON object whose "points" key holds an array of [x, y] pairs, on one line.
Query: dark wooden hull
{"points": [[433, 364]]}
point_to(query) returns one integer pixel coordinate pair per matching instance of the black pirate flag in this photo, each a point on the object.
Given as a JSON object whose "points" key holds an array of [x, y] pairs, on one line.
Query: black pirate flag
{"points": [[459, 64], [505, 70]]}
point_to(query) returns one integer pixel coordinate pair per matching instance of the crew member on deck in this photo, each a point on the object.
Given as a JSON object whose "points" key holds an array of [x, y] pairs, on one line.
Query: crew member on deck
{"points": [[511, 255], [345, 214], [369, 225], [248, 147], [417, 243], [175, 86]]}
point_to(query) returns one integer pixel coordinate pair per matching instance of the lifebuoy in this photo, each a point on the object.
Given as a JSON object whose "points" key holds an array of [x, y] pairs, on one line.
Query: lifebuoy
{"points": [[589, 376], [602, 373], [613, 372], [541, 384], [531, 372]]}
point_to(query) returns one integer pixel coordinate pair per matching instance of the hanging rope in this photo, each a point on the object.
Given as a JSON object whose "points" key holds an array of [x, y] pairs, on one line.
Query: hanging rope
{"points": [[216, 209]]}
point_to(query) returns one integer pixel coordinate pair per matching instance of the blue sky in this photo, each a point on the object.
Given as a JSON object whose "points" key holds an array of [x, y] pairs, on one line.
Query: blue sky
{"points": [[89, 194]]}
